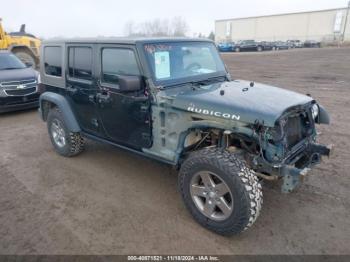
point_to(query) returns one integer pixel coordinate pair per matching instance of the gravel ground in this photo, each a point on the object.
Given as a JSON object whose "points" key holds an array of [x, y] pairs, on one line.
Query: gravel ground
{"points": [[107, 201]]}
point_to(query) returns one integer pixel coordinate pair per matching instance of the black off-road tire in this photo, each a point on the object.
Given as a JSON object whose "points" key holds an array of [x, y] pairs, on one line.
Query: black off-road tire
{"points": [[241, 180], [74, 141]]}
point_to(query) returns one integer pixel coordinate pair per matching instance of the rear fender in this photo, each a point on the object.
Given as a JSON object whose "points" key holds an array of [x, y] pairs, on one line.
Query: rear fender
{"points": [[63, 105]]}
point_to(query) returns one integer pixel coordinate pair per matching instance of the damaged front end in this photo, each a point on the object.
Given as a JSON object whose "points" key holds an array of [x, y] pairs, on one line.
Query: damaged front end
{"points": [[289, 150]]}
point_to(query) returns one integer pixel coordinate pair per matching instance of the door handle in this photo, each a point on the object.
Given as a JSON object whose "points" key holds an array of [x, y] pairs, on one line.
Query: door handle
{"points": [[103, 98], [71, 89], [92, 98]]}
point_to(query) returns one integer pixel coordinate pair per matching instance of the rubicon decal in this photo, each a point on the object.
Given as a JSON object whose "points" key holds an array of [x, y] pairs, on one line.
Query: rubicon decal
{"points": [[213, 113]]}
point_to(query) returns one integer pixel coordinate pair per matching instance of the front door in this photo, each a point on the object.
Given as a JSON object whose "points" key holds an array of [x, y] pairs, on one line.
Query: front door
{"points": [[81, 86], [125, 115]]}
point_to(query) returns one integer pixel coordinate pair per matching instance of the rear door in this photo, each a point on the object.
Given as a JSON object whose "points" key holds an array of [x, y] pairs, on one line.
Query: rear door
{"points": [[81, 85]]}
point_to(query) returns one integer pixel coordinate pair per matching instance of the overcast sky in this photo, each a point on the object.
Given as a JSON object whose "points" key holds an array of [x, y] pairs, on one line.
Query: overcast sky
{"points": [[85, 18]]}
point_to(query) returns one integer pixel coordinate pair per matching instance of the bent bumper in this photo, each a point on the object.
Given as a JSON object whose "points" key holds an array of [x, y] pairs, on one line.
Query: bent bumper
{"points": [[293, 175]]}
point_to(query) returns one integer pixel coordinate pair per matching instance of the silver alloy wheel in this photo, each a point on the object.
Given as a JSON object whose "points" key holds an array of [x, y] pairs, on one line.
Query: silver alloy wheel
{"points": [[58, 134], [211, 195]]}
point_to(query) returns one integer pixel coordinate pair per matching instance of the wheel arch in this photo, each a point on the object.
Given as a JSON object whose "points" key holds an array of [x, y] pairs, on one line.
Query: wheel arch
{"points": [[13, 49], [49, 100], [189, 141]]}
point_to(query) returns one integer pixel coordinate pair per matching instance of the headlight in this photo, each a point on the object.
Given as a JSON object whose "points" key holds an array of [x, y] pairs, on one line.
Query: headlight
{"points": [[315, 110], [2, 92], [38, 78]]}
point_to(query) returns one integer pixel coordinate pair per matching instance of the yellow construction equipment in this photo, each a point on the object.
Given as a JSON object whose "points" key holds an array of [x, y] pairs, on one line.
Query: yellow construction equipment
{"points": [[25, 46]]}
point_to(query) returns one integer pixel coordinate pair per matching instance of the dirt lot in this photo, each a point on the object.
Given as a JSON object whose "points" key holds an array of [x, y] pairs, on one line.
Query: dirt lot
{"points": [[107, 201]]}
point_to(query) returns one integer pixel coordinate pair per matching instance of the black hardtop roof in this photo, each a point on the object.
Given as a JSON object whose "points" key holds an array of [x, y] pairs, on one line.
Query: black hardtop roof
{"points": [[123, 40]]}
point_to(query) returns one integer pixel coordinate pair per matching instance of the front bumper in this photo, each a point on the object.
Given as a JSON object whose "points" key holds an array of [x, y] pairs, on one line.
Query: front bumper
{"points": [[8, 104], [292, 175]]}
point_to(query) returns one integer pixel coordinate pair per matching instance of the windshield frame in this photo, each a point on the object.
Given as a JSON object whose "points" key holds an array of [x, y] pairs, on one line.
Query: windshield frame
{"points": [[20, 64], [183, 80]]}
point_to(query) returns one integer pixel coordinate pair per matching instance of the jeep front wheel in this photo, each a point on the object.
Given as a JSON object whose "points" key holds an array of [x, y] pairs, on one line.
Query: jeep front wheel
{"points": [[66, 143], [220, 191]]}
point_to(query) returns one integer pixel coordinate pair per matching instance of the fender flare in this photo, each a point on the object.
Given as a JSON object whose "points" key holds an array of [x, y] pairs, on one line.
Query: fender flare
{"points": [[63, 105], [35, 56], [11, 47], [323, 116]]}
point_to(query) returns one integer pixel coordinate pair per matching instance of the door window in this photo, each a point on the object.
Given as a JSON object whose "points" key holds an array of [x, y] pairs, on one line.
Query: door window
{"points": [[53, 60], [116, 62], [80, 62]]}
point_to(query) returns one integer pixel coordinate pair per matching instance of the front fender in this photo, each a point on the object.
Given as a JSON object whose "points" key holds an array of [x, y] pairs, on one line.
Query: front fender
{"points": [[63, 105]]}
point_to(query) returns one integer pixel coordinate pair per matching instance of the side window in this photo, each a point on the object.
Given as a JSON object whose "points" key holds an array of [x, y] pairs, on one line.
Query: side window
{"points": [[53, 60], [80, 62], [116, 62]]}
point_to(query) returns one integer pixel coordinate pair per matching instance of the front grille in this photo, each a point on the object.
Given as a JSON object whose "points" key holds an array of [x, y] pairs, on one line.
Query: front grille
{"points": [[21, 92], [30, 81], [296, 129], [19, 88]]}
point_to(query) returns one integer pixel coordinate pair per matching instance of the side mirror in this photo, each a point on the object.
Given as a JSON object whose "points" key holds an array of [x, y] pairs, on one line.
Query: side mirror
{"points": [[130, 83], [28, 64]]}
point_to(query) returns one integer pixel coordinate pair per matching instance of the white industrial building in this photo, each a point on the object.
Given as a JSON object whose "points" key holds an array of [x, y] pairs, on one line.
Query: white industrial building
{"points": [[324, 25]]}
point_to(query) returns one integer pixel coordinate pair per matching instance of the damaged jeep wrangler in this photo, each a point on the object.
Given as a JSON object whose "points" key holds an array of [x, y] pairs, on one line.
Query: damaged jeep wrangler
{"points": [[173, 100]]}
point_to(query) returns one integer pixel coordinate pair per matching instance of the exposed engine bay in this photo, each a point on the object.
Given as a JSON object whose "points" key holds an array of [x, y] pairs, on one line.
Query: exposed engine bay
{"points": [[286, 151]]}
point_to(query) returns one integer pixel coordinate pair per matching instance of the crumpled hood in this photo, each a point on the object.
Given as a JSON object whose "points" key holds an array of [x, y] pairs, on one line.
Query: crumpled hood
{"points": [[17, 74], [236, 100]]}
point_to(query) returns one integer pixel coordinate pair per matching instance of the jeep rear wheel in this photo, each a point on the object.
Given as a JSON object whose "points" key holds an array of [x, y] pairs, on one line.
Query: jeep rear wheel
{"points": [[220, 191], [66, 143]]}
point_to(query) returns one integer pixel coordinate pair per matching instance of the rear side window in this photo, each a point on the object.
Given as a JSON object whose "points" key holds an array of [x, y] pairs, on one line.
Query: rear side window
{"points": [[80, 62], [53, 60], [118, 61]]}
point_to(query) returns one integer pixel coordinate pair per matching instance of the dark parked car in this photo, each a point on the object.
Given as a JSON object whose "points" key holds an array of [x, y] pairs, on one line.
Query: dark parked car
{"points": [[312, 43], [248, 45], [174, 101], [18, 84], [226, 47], [266, 45], [280, 45]]}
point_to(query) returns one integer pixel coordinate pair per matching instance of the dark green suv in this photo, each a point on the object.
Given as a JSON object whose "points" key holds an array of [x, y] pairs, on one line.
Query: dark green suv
{"points": [[174, 101]]}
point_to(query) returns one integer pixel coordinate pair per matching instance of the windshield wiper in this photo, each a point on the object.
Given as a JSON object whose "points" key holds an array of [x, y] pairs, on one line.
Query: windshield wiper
{"points": [[199, 83], [210, 80]]}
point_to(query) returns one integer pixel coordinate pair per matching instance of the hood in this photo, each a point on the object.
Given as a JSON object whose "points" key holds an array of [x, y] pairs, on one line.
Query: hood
{"points": [[17, 74], [236, 100]]}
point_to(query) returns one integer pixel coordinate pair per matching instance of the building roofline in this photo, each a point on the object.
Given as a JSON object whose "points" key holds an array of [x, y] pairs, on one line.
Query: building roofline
{"points": [[294, 13]]}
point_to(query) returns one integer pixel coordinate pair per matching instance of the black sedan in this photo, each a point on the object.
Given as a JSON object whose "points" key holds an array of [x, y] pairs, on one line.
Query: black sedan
{"points": [[312, 43], [18, 84], [248, 45]]}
